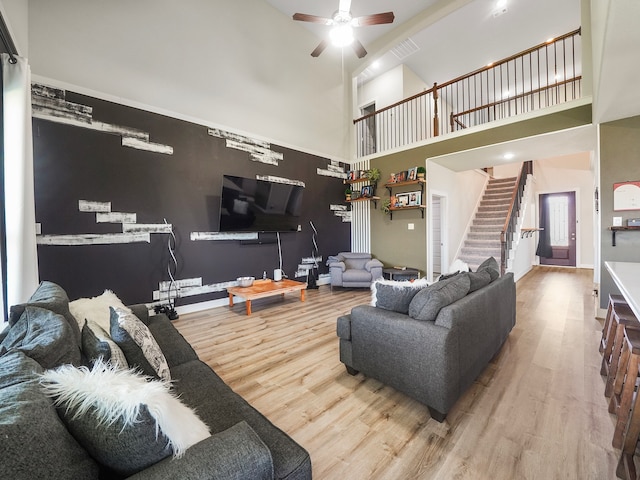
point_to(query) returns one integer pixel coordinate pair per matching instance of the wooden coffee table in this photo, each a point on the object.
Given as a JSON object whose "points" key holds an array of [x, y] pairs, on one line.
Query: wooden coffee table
{"points": [[265, 288]]}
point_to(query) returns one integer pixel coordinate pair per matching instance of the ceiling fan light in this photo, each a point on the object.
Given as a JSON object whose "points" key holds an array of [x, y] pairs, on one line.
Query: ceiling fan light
{"points": [[341, 36]]}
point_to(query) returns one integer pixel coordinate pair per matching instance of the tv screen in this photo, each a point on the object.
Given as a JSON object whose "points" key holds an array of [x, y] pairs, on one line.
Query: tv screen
{"points": [[251, 205]]}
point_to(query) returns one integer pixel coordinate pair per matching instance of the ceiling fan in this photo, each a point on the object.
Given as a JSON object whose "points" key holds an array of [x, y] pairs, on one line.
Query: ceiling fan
{"points": [[343, 23]]}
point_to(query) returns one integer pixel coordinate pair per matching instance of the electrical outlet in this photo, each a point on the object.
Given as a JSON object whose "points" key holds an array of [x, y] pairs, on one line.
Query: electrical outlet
{"points": [[411, 226]]}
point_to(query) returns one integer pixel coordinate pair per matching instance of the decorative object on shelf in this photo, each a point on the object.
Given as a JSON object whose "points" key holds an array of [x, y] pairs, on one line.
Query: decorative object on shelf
{"points": [[313, 272], [367, 191], [412, 174], [421, 171], [415, 198], [347, 194], [172, 267]]}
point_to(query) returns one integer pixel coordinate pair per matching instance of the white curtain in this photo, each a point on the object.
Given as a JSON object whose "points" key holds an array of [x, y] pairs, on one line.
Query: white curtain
{"points": [[19, 205]]}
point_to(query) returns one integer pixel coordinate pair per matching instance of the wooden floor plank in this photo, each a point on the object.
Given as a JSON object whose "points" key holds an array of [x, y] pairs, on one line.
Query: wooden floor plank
{"points": [[536, 412]]}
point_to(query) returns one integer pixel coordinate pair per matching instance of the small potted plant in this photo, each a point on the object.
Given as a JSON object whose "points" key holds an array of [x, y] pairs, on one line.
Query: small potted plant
{"points": [[347, 194], [373, 175], [421, 172], [386, 206]]}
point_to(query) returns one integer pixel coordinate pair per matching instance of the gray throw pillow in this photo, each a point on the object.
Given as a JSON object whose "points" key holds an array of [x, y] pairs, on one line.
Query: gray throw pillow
{"points": [[427, 302], [44, 336], [96, 343], [52, 297], [479, 279], [491, 265], [395, 295]]}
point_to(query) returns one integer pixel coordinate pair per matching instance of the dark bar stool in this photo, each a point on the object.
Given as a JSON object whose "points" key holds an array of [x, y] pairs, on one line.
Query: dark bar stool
{"points": [[624, 384], [622, 318], [614, 300]]}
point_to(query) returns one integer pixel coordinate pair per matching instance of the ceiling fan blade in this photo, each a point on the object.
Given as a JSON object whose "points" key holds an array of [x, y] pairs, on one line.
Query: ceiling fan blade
{"points": [[320, 48], [345, 6], [375, 19], [358, 48], [303, 17]]}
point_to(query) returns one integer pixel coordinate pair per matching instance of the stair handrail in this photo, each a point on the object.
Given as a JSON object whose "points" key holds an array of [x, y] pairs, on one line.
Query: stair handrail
{"points": [[514, 207]]}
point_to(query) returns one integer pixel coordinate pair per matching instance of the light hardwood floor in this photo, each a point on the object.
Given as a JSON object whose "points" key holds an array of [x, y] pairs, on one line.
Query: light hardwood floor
{"points": [[537, 412]]}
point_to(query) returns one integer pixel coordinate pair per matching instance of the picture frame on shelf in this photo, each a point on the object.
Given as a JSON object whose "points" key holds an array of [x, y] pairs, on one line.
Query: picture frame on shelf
{"points": [[393, 177], [355, 194], [350, 175], [402, 200], [367, 191], [401, 176], [415, 198], [412, 174]]}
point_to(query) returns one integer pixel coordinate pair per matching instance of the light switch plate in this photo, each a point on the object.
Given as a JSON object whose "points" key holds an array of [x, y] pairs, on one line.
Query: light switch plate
{"points": [[411, 226]]}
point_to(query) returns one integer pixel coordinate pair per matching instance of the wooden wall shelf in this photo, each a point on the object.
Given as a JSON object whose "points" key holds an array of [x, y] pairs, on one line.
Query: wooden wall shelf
{"points": [[371, 199], [620, 229]]}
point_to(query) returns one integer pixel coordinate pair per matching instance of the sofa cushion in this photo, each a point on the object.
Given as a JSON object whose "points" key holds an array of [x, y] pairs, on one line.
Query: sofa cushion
{"points": [[479, 279], [173, 345], [96, 343], [355, 275], [395, 295], [44, 336], [427, 302], [221, 408], [97, 309], [49, 296], [122, 419], [137, 343], [35, 442], [490, 265]]}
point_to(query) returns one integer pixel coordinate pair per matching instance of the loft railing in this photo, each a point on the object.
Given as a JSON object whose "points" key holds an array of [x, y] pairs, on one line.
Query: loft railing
{"points": [[544, 75], [511, 222]]}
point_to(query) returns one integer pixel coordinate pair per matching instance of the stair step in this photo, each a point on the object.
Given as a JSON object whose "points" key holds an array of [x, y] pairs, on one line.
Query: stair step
{"points": [[502, 208], [492, 214], [511, 180], [480, 252], [486, 236], [477, 243], [494, 201], [506, 196]]}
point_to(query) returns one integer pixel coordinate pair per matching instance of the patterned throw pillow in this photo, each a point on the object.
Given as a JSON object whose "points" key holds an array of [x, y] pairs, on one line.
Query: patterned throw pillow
{"points": [[125, 421], [137, 343], [96, 343], [395, 295]]}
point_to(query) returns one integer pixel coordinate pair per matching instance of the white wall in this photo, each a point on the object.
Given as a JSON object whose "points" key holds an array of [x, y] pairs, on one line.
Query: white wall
{"points": [[463, 191], [389, 88], [242, 65], [16, 16]]}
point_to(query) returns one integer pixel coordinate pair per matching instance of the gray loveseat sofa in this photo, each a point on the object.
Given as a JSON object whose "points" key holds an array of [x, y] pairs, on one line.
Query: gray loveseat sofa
{"points": [[432, 360], [35, 442]]}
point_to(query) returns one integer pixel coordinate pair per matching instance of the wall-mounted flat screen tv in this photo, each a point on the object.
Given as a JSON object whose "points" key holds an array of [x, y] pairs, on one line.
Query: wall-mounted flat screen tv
{"points": [[252, 205]]}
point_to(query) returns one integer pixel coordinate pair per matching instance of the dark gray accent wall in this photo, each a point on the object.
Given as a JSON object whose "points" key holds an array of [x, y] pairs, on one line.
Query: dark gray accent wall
{"points": [[153, 167], [619, 162]]}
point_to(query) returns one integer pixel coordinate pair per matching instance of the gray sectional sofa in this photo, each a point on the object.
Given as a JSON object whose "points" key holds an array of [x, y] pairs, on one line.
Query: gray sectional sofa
{"points": [[35, 442], [430, 343]]}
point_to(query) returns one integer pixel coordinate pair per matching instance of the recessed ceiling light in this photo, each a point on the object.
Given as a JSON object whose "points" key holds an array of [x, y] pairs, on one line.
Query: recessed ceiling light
{"points": [[500, 8], [501, 4], [508, 156], [376, 64]]}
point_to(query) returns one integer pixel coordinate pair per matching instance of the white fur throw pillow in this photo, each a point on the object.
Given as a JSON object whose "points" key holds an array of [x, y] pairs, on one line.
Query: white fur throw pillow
{"points": [[395, 295], [125, 420], [96, 309]]}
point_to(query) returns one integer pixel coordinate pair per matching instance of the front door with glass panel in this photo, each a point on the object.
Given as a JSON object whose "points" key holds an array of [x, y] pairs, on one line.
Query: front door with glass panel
{"points": [[560, 208]]}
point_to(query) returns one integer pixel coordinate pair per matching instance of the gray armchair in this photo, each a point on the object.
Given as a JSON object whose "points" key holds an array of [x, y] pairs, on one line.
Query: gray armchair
{"points": [[351, 269]]}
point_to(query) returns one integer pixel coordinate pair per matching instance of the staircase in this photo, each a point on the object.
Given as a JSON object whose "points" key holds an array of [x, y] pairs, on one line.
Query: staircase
{"points": [[483, 239]]}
